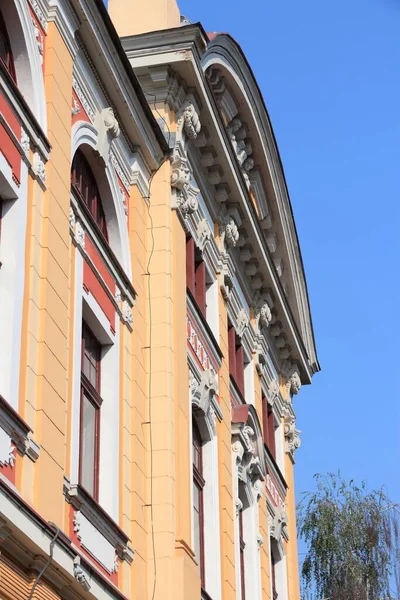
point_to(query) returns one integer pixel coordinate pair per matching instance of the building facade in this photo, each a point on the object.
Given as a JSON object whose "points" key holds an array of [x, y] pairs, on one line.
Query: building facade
{"points": [[154, 312]]}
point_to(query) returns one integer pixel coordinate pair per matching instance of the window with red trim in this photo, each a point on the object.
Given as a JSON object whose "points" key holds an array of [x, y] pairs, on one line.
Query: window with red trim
{"points": [[236, 358], [6, 55], [90, 413], [268, 427], [242, 550], [198, 501], [196, 274], [84, 183]]}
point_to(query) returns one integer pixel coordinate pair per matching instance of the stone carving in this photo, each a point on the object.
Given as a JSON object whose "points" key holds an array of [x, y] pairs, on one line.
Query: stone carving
{"points": [[273, 392], [39, 40], [226, 284], [248, 433], [293, 384], [77, 524], [238, 506], [39, 168], [229, 232], [278, 523], [189, 121], [110, 122], [127, 314], [108, 129], [292, 438], [186, 193], [72, 219], [203, 234], [117, 295], [79, 574], [80, 235], [25, 142], [202, 395], [38, 12], [242, 322], [76, 109], [262, 311]]}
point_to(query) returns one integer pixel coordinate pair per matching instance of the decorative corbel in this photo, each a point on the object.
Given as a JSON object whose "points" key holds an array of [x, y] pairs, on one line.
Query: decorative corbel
{"points": [[108, 130], [278, 524], [293, 384], [185, 193], [292, 439], [229, 233]]}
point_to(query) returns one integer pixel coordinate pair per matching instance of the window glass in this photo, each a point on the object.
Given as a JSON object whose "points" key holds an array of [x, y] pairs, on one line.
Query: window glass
{"points": [[88, 446], [84, 183], [5, 49]]}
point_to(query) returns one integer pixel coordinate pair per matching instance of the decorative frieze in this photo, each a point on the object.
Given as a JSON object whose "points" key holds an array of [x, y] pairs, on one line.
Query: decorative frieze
{"points": [[39, 13], [81, 96], [76, 108], [198, 347], [119, 171]]}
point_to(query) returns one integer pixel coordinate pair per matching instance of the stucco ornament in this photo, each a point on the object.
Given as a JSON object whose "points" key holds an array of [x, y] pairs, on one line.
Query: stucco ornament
{"points": [[203, 234], [79, 574], [80, 235], [189, 121], [203, 392], [278, 523], [127, 314], [242, 322], [292, 436], [186, 193], [25, 142], [39, 168], [111, 123], [273, 392], [39, 40], [72, 219], [293, 384], [229, 232], [108, 129]]}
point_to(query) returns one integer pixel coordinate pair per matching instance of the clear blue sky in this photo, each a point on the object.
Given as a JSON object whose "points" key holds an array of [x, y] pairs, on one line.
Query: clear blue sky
{"points": [[330, 75]]}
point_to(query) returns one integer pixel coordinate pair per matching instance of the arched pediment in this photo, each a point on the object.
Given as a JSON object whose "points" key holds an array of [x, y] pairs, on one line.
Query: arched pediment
{"points": [[249, 131]]}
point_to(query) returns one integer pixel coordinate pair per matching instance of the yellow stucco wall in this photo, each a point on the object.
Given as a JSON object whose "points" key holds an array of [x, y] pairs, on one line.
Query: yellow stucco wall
{"points": [[163, 15]]}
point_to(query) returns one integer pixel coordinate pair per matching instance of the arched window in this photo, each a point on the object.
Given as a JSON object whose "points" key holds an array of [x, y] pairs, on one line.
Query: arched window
{"points": [[198, 503], [84, 184], [5, 49]]}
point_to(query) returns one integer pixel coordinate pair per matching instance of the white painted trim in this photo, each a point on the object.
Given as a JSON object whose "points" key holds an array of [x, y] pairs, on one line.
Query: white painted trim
{"points": [[12, 280], [33, 74], [76, 369]]}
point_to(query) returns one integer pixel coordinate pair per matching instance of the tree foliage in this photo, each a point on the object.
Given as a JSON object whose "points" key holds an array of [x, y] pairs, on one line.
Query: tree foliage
{"points": [[352, 538]]}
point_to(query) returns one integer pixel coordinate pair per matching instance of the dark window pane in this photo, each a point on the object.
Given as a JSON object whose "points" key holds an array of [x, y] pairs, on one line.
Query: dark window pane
{"points": [[88, 445], [85, 183]]}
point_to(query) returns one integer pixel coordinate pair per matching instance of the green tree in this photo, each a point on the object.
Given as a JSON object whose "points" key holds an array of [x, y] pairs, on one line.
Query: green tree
{"points": [[352, 539]]}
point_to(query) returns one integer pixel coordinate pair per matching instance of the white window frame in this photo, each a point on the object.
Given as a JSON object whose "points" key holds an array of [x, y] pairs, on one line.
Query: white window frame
{"points": [[87, 309]]}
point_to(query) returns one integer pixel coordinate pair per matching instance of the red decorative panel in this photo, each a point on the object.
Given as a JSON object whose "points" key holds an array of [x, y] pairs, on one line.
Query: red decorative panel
{"points": [[100, 265], [8, 146], [92, 283]]}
